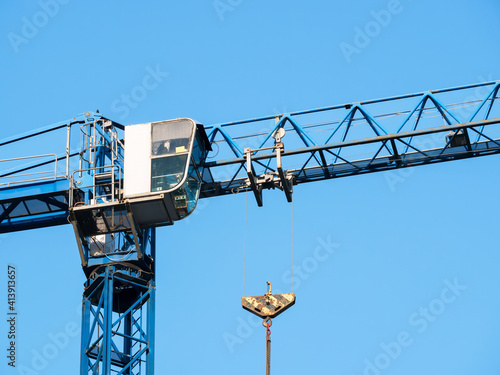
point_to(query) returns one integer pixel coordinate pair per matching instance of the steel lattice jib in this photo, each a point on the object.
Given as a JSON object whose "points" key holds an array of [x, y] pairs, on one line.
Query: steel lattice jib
{"points": [[163, 169]]}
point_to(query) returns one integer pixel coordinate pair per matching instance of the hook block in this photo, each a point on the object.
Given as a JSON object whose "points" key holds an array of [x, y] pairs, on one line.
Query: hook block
{"points": [[268, 306]]}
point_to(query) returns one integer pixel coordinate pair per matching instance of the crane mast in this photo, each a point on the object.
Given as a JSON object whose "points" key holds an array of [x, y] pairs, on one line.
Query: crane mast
{"points": [[123, 182], [117, 257], [114, 220]]}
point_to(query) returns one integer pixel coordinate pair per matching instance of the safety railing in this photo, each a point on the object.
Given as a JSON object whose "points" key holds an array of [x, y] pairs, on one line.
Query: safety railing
{"points": [[15, 178]]}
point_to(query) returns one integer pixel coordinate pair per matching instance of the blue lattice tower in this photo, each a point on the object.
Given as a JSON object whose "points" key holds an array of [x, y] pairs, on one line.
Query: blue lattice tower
{"points": [[117, 257], [114, 212], [118, 321], [118, 309]]}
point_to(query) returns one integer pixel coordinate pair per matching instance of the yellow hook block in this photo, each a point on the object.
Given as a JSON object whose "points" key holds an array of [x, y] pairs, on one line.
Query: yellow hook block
{"points": [[269, 305]]}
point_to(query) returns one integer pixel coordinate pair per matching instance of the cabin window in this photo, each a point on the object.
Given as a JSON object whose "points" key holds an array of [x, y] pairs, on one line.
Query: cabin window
{"points": [[169, 153]]}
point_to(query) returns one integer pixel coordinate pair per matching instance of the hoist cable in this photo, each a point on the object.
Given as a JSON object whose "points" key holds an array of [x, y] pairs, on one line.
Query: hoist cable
{"points": [[245, 242], [268, 348], [292, 242]]}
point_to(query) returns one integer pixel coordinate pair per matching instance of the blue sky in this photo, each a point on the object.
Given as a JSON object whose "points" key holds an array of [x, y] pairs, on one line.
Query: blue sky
{"points": [[375, 251]]}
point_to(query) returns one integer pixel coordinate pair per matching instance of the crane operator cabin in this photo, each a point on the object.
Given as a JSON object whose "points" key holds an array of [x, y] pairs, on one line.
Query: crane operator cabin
{"points": [[164, 164]]}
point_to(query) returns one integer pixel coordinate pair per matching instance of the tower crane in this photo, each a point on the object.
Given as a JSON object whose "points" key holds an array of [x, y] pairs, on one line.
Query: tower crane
{"points": [[117, 184]]}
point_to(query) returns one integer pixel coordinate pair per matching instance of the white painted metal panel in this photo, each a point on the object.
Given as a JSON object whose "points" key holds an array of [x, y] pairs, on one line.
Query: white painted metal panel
{"points": [[137, 173]]}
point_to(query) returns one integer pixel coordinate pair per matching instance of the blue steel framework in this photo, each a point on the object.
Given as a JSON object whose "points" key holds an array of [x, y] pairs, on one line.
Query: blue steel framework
{"points": [[371, 136], [117, 256], [118, 308], [117, 339], [118, 303]]}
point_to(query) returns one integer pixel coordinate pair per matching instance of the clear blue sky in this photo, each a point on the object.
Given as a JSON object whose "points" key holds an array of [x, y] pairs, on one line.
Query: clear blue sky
{"points": [[397, 248]]}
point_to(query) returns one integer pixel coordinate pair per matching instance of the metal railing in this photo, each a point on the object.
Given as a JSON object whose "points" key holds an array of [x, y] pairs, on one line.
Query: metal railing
{"points": [[47, 174]]}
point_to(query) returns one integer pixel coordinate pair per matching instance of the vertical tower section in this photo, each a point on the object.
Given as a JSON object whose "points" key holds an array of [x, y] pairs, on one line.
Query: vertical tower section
{"points": [[118, 316], [130, 181]]}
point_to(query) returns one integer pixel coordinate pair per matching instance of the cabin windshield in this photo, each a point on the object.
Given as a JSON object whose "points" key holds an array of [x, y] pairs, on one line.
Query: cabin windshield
{"points": [[169, 152]]}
